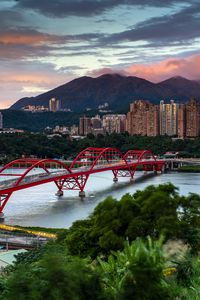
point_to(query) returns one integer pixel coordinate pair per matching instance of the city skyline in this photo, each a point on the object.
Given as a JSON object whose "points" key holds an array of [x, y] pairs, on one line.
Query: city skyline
{"points": [[45, 44]]}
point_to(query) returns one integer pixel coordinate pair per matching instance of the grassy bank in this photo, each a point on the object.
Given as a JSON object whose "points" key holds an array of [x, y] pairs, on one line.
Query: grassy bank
{"points": [[189, 169]]}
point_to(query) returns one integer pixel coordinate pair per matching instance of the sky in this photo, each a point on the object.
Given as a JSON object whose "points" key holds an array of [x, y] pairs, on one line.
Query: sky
{"points": [[46, 43]]}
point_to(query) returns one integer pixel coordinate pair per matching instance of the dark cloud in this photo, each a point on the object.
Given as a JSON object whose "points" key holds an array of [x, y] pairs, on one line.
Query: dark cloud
{"points": [[176, 28], [21, 43], [9, 18], [62, 8]]}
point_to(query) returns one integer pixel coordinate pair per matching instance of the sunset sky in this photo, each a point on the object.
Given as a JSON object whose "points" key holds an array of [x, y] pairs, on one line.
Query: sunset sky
{"points": [[46, 43]]}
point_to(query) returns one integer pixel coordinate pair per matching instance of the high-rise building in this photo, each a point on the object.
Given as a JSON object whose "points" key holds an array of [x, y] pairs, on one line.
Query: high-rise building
{"points": [[153, 120], [96, 122], [114, 123], [54, 104], [85, 126], [182, 120], [168, 118], [142, 118], [1, 120], [192, 118]]}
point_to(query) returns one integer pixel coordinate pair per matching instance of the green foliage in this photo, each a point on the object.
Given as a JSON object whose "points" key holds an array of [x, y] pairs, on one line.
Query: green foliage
{"points": [[186, 270], [189, 169], [186, 282], [62, 146], [38, 121], [153, 211], [131, 264], [126, 272], [31, 256], [55, 277]]}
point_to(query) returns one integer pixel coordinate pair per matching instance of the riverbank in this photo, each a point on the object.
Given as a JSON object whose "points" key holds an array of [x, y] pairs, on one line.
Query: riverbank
{"points": [[189, 169]]}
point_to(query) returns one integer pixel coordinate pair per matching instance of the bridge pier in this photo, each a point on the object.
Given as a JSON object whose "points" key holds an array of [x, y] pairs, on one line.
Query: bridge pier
{"points": [[82, 194], [1, 215], [59, 193], [132, 179], [115, 179]]}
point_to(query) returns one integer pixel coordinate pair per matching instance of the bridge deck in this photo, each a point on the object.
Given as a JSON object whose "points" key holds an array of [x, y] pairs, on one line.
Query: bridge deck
{"points": [[41, 178], [74, 177]]}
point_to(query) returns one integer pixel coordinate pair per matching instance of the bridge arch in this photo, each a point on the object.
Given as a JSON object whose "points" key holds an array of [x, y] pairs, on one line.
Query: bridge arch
{"points": [[41, 163], [90, 160], [31, 163], [138, 154], [91, 156]]}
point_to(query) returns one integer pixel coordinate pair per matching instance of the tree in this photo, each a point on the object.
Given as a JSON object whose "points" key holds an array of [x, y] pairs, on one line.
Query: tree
{"points": [[126, 272], [55, 277]]}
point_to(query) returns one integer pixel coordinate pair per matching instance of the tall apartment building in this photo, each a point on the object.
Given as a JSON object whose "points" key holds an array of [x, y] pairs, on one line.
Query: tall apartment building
{"points": [[192, 118], [114, 123], [182, 121], [85, 126], [153, 120], [54, 104], [143, 118], [1, 120], [168, 118], [96, 122]]}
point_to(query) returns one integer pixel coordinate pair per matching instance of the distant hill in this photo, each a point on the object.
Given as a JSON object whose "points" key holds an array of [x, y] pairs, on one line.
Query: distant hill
{"points": [[116, 90]]}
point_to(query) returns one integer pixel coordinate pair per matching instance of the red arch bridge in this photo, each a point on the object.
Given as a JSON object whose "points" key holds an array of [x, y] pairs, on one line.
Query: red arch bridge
{"points": [[26, 172]]}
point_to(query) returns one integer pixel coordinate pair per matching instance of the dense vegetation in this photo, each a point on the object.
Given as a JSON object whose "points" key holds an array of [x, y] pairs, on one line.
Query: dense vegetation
{"points": [[144, 247], [37, 121], [15, 145]]}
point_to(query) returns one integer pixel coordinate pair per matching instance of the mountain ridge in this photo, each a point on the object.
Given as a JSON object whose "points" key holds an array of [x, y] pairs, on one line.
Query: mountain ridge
{"points": [[116, 90]]}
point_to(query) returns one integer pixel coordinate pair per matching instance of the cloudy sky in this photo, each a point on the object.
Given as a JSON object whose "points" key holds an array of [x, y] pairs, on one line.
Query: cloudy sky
{"points": [[45, 43]]}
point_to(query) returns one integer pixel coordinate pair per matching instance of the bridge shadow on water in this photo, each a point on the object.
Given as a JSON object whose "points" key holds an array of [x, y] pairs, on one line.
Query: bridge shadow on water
{"points": [[123, 185], [62, 212], [97, 196]]}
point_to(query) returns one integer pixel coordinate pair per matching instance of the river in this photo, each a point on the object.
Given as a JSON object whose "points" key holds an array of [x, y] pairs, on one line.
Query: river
{"points": [[39, 206]]}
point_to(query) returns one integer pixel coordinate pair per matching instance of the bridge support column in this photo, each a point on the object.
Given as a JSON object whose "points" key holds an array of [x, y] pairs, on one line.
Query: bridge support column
{"points": [[59, 193], [115, 179], [132, 179], [82, 194], [1, 215]]}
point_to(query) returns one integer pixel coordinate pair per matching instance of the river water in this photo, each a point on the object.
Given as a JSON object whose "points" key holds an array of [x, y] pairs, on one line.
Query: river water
{"points": [[38, 206]]}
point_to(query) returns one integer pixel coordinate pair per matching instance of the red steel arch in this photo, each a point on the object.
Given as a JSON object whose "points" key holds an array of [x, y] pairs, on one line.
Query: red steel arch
{"points": [[91, 157], [33, 163], [139, 154], [81, 155], [89, 161], [19, 162]]}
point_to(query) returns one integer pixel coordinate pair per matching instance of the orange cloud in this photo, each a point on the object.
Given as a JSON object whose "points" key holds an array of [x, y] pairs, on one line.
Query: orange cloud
{"points": [[35, 38], [187, 67], [29, 80]]}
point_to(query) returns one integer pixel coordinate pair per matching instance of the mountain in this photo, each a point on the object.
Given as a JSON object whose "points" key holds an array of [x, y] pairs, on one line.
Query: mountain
{"points": [[116, 90]]}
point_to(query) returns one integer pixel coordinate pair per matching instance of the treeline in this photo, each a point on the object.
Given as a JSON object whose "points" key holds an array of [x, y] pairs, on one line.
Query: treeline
{"points": [[16, 145], [145, 246]]}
